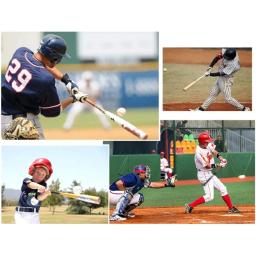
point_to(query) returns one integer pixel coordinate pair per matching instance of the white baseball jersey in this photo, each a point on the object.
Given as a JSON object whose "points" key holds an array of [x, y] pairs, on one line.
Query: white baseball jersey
{"points": [[163, 163], [93, 90], [204, 157]]}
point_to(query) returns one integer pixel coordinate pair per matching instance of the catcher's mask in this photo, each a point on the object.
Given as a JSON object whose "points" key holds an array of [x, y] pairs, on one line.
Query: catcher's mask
{"points": [[142, 169]]}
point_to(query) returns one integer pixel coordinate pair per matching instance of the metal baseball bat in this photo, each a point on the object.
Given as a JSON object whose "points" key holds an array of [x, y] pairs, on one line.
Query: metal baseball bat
{"points": [[192, 83], [123, 123], [80, 197]]}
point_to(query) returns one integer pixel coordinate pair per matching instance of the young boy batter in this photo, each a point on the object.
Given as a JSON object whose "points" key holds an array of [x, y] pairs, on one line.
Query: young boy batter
{"points": [[33, 192]]}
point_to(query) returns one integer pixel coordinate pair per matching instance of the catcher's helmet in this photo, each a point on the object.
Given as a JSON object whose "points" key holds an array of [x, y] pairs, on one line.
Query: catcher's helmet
{"points": [[205, 137], [229, 54], [53, 47], [39, 162], [142, 169]]}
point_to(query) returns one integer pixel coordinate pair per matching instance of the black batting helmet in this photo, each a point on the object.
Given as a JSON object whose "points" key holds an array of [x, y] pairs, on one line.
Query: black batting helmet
{"points": [[229, 54], [53, 47]]}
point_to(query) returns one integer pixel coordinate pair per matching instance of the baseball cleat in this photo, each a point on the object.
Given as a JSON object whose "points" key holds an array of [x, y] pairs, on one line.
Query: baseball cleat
{"points": [[247, 109], [188, 209], [116, 217], [233, 210]]}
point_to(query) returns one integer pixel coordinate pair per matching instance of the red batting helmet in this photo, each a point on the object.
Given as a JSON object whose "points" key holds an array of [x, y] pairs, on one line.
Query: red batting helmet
{"points": [[39, 162], [205, 137]]}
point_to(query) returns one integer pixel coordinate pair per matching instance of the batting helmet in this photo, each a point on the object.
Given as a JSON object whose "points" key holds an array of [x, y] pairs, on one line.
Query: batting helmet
{"points": [[204, 137], [54, 48], [229, 54], [142, 169], [39, 162]]}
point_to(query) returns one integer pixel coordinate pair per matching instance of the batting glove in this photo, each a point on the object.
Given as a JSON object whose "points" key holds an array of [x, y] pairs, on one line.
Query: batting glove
{"points": [[79, 96], [71, 85]]}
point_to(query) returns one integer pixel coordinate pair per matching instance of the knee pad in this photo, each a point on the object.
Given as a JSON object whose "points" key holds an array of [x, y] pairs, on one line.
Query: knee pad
{"points": [[141, 199], [123, 202]]}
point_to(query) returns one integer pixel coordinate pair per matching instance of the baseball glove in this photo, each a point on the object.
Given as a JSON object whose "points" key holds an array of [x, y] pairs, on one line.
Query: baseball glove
{"points": [[21, 129]]}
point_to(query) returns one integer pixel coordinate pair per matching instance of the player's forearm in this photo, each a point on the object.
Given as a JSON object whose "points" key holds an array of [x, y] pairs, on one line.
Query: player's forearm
{"points": [[157, 184], [120, 185], [34, 185], [215, 60], [65, 103], [42, 196]]}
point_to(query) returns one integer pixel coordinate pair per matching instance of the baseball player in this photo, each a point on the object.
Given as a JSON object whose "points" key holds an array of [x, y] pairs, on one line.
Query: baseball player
{"points": [[90, 87], [28, 87], [228, 67], [164, 166], [33, 192], [124, 192], [204, 161]]}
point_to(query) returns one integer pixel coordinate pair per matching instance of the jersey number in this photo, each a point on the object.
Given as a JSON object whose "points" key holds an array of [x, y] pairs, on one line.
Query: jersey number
{"points": [[23, 76]]}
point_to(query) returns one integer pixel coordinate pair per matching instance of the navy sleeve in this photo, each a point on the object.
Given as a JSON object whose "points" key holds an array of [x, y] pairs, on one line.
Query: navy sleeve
{"points": [[25, 183], [50, 105]]}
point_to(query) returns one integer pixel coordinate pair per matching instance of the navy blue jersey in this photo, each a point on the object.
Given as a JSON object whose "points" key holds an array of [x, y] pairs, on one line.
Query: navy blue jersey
{"points": [[131, 182], [27, 194], [28, 87]]}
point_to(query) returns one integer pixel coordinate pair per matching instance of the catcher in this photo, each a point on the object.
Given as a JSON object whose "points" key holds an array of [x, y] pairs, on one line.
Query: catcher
{"points": [[204, 161], [28, 89], [124, 191], [33, 192]]}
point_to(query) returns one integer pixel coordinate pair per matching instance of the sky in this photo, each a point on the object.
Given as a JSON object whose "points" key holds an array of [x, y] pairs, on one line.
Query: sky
{"points": [[88, 164]]}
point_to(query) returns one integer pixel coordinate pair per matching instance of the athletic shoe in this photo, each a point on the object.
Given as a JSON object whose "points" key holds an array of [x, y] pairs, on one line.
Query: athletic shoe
{"points": [[247, 109], [233, 210], [116, 217], [188, 209]]}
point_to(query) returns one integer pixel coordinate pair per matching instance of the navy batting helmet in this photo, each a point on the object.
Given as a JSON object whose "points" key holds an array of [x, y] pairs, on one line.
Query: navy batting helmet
{"points": [[229, 54], [53, 47]]}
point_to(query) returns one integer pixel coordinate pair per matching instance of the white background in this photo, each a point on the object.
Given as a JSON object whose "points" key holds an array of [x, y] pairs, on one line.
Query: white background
{"points": [[196, 23]]}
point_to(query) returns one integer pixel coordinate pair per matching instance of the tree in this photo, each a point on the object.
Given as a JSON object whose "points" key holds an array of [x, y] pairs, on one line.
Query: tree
{"points": [[55, 199], [2, 195]]}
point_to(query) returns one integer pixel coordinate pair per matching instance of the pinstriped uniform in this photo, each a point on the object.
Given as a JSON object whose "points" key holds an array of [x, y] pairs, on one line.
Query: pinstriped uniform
{"points": [[224, 83]]}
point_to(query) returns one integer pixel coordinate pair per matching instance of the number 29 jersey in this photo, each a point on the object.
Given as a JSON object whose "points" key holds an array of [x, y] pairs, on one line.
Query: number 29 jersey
{"points": [[204, 157], [28, 87]]}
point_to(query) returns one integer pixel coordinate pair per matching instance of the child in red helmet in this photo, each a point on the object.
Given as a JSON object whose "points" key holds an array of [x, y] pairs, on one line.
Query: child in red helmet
{"points": [[204, 161], [33, 192]]}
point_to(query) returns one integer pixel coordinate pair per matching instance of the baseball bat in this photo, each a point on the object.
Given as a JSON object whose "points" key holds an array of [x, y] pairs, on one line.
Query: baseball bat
{"points": [[80, 197], [192, 83], [123, 123]]}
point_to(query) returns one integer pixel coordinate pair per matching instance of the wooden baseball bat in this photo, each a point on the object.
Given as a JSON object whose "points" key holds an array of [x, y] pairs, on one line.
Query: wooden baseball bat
{"points": [[123, 123], [192, 83], [80, 197]]}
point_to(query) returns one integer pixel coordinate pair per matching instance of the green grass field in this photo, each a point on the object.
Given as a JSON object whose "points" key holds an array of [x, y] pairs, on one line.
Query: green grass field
{"points": [[242, 193], [60, 216], [180, 75], [139, 117]]}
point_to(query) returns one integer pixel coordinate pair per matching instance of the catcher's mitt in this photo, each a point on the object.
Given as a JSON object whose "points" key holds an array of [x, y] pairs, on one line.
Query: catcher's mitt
{"points": [[21, 129]]}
